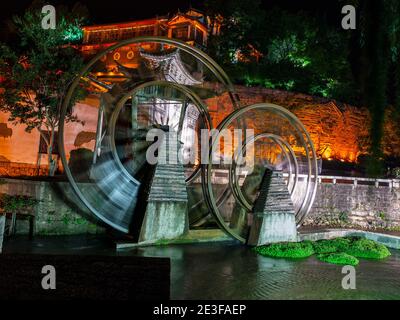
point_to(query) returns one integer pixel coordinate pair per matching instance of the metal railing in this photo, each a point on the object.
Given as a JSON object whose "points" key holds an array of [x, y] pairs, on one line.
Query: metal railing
{"points": [[221, 176], [356, 181]]}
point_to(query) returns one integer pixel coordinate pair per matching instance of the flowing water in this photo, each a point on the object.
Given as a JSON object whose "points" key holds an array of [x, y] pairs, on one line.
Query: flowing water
{"points": [[235, 272]]}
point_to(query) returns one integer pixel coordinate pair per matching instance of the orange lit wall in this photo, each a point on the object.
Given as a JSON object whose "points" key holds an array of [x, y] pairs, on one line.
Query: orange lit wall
{"points": [[339, 131]]}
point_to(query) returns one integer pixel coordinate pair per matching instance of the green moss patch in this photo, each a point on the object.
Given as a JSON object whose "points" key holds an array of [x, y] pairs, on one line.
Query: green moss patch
{"points": [[367, 249], [338, 258], [342, 251], [293, 250], [331, 246]]}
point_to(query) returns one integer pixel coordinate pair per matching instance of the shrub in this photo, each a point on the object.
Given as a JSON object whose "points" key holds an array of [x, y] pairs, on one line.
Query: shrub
{"points": [[287, 250], [396, 172], [16, 203], [338, 251], [381, 215], [369, 249], [338, 258], [330, 246], [343, 216], [324, 246]]}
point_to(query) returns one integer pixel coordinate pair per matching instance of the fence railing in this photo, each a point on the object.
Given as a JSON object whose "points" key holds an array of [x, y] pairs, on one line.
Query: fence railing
{"points": [[355, 181], [221, 176]]}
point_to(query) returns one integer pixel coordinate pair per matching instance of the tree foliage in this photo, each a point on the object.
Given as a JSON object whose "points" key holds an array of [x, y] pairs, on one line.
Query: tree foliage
{"points": [[377, 67], [299, 52], [37, 71], [305, 52]]}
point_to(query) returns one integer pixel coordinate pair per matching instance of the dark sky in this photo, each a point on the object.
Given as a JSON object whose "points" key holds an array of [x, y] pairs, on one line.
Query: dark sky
{"points": [[105, 11], [115, 10]]}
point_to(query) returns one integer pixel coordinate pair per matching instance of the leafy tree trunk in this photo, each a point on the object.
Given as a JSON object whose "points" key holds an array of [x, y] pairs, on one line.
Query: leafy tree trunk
{"points": [[49, 140], [52, 162]]}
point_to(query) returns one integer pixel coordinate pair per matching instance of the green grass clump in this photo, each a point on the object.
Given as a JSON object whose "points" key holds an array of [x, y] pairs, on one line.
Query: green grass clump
{"points": [[343, 251], [331, 246], [294, 250], [368, 249], [338, 258]]}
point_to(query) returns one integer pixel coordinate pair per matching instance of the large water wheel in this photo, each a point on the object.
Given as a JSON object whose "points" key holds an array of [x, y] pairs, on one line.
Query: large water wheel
{"points": [[167, 83]]}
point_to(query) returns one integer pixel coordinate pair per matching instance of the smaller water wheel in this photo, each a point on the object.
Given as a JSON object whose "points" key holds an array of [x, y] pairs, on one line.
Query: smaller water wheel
{"points": [[272, 139]]}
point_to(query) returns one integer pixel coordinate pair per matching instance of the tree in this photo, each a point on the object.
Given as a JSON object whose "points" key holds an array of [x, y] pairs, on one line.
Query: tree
{"points": [[242, 24], [36, 72], [299, 51], [378, 69]]}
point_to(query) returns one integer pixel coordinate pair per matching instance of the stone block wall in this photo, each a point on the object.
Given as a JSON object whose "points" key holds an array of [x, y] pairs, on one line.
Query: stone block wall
{"points": [[58, 212], [356, 205], [351, 202], [336, 205]]}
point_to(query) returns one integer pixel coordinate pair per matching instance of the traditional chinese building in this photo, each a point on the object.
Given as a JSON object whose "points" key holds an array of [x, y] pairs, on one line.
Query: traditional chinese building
{"points": [[21, 152], [192, 27]]}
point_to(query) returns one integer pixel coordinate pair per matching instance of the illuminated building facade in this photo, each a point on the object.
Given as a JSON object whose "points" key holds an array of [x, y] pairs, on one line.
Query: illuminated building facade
{"points": [[192, 27]]}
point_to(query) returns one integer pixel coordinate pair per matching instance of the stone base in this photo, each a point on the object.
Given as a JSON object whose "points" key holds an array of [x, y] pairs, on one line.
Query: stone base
{"points": [[164, 220], [274, 219], [2, 228], [273, 227]]}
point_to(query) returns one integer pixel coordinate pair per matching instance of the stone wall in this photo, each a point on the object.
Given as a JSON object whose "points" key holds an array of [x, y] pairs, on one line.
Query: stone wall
{"points": [[338, 130], [352, 204], [58, 212], [339, 202]]}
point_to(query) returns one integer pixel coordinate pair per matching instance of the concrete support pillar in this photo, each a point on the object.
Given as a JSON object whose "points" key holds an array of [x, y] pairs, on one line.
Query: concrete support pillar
{"points": [[273, 213], [166, 214]]}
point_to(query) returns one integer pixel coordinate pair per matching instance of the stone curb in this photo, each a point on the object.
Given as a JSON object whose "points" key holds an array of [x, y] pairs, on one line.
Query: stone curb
{"points": [[190, 238], [389, 241]]}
